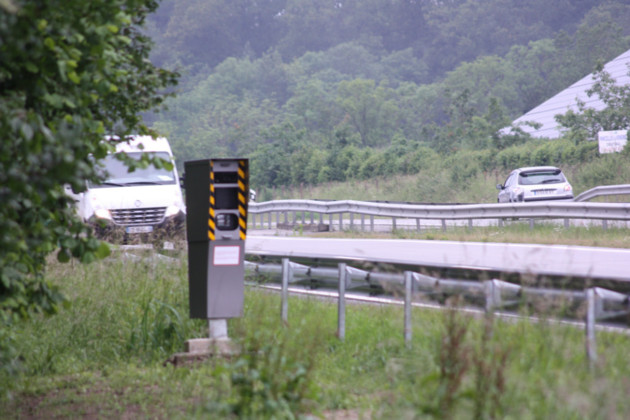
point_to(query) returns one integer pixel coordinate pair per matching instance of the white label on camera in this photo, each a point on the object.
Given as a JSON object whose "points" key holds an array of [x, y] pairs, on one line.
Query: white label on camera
{"points": [[226, 255]]}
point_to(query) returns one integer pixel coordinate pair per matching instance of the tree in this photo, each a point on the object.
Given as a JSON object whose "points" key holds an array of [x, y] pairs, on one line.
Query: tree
{"points": [[368, 109], [586, 122], [71, 71]]}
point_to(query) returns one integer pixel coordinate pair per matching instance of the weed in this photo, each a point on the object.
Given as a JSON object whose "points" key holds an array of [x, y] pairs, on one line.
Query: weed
{"points": [[454, 360], [161, 329], [273, 377], [102, 355], [489, 369], [470, 369]]}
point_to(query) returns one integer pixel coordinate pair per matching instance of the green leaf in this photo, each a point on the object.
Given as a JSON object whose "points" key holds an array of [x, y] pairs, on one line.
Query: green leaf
{"points": [[103, 250], [49, 42], [74, 77], [30, 67], [53, 100], [63, 256]]}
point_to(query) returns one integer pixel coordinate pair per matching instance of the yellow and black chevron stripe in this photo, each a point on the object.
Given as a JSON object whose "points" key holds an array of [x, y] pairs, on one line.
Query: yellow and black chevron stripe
{"points": [[211, 217], [243, 196]]}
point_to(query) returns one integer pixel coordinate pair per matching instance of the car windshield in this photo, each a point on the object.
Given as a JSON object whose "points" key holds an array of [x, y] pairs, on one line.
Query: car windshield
{"points": [[118, 175], [540, 177]]}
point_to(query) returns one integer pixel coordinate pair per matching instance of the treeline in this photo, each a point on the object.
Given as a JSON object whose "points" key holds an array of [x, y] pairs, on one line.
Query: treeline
{"points": [[199, 34], [308, 167], [350, 89]]}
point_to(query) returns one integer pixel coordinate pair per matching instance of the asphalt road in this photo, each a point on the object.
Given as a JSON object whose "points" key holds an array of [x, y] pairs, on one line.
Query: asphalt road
{"points": [[553, 260]]}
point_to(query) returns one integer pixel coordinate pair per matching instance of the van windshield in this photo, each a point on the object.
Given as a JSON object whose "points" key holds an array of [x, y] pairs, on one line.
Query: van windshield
{"points": [[117, 174]]}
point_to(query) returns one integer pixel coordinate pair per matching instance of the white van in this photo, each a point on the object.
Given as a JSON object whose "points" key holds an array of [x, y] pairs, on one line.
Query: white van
{"points": [[135, 206]]}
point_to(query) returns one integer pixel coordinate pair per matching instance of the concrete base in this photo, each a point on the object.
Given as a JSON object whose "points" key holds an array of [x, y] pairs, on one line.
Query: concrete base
{"points": [[201, 349]]}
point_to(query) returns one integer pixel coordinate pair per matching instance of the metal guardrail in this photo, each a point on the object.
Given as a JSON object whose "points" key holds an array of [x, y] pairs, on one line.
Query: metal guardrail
{"points": [[493, 295], [604, 190], [535, 210]]}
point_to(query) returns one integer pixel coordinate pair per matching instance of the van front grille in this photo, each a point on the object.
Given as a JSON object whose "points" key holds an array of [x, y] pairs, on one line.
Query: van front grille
{"points": [[143, 216]]}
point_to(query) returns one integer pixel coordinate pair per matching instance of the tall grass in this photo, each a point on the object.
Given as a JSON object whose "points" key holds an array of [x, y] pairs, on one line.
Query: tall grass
{"points": [[103, 356], [441, 183], [127, 309]]}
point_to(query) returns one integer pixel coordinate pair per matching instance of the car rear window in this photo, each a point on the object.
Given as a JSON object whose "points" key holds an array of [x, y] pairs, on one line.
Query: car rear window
{"points": [[541, 177]]}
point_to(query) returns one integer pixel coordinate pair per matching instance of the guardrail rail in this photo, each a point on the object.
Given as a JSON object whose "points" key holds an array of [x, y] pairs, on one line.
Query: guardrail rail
{"points": [[493, 296], [565, 210]]}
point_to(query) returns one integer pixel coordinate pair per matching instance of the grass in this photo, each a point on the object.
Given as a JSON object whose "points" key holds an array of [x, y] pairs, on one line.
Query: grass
{"points": [[511, 232], [103, 356], [439, 185]]}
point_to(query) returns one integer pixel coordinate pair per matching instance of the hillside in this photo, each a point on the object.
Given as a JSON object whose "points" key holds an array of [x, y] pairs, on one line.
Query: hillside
{"points": [[315, 92]]}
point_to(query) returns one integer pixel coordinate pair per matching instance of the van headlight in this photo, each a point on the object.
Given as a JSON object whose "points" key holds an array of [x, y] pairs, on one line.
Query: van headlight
{"points": [[103, 214]]}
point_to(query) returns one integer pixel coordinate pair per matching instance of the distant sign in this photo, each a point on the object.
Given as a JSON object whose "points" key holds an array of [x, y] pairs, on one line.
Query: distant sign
{"points": [[612, 141]]}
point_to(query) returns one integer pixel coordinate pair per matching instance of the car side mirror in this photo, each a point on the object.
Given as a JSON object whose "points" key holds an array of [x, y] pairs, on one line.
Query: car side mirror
{"points": [[181, 181], [500, 186]]}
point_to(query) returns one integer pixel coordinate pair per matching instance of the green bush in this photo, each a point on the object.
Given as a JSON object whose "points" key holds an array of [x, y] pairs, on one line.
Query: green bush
{"points": [[514, 157], [606, 170], [465, 165], [422, 157], [374, 166], [272, 378]]}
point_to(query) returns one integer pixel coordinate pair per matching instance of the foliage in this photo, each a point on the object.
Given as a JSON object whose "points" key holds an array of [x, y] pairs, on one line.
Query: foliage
{"points": [[81, 363], [273, 376], [608, 169], [70, 72], [586, 122], [345, 76], [197, 35]]}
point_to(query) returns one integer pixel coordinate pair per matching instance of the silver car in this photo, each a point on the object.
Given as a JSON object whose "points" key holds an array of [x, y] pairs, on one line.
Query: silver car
{"points": [[533, 184]]}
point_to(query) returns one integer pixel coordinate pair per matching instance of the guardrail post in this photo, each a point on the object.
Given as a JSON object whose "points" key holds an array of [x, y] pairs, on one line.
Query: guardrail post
{"points": [[418, 225], [566, 223], [340, 222], [312, 218], [408, 290], [497, 291], [341, 308], [602, 304], [470, 224], [393, 224], [286, 274], [531, 224], [591, 351], [254, 220], [321, 219], [604, 224], [489, 289], [500, 223], [351, 221], [330, 221], [362, 222], [443, 225], [372, 223]]}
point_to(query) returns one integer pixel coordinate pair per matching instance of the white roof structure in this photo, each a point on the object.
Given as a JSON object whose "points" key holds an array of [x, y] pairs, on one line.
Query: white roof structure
{"points": [[545, 113]]}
